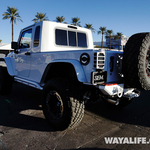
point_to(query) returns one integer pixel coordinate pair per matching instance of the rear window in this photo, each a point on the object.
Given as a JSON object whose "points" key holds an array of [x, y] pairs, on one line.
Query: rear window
{"points": [[70, 38], [61, 37], [82, 40]]}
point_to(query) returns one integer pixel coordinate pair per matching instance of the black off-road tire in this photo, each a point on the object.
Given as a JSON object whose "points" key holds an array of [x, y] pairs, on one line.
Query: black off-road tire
{"points": [[6, 81], [61, 104], [136, 61], [122, 103]]}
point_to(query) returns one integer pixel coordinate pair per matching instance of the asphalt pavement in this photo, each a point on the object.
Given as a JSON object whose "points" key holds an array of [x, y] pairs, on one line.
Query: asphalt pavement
{"points": [[23, 126]]}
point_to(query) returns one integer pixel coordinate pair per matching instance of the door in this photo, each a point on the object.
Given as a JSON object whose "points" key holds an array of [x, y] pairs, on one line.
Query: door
{"points": [[23, 57]]}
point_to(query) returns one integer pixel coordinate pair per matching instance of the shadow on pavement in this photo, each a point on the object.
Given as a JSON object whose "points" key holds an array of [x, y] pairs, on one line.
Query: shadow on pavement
{"points": [[137, 113], [22, 109]]}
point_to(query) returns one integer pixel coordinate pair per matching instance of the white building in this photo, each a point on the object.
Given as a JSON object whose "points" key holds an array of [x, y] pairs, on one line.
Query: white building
{"points": [[115, 43], [5, 48]]}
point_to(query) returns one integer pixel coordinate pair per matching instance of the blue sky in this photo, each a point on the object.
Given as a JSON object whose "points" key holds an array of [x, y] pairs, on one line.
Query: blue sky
{"points": [[126, 16]]}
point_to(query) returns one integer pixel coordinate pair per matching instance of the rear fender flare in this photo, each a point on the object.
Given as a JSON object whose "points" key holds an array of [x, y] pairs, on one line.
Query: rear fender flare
{"points": [[80, 74]]}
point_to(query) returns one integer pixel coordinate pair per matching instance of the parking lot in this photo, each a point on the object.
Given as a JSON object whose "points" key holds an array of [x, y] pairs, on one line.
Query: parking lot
{"points": [[23, 127]]}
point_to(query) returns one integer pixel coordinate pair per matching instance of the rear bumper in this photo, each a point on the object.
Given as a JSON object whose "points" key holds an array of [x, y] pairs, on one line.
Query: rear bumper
{"points": [[112, 89], [118, 90]]}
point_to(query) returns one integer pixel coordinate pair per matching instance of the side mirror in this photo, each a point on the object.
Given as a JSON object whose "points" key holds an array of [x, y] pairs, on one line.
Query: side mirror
{"points": [[14, 45]]}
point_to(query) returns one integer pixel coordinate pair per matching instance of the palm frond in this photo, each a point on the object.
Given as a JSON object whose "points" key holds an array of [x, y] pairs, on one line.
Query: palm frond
{"points": [[60, 19], [76, 22], [12, 14], [90, 26], [6, 17], [40, 17], [102, 30]]}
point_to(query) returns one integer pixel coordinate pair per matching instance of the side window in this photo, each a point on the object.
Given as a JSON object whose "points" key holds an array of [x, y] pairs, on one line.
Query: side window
{"points": [[25, 40], [61, 37], [82, 42], [72, 38], [37, 36]]}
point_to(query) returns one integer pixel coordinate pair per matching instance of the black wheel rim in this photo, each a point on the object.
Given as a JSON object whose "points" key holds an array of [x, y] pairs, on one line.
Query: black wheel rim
{"points": [[54, 105], [147, 65]]}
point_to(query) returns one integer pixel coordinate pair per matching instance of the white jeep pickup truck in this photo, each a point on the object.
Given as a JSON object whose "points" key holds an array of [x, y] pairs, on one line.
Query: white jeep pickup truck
{"points": [[60, 60]]}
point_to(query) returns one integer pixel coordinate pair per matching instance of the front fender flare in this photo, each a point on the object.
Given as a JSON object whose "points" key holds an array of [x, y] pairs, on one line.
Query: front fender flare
{"points": [[10, 63]]}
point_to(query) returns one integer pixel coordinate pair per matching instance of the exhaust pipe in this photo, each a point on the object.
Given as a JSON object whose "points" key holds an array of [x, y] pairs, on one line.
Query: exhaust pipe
{"points": [[113, 101]]}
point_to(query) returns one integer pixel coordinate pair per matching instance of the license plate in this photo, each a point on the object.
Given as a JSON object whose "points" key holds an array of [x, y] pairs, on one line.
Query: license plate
{"points": [[98, 77]]}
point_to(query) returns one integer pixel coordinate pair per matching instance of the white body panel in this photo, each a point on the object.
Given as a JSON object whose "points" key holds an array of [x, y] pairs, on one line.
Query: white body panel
{"points": [[32, 66], [39, 61], [48, 37]]}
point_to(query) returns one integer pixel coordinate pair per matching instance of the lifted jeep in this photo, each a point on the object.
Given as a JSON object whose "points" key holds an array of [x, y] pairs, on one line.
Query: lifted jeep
{"points": [[59, 59]]}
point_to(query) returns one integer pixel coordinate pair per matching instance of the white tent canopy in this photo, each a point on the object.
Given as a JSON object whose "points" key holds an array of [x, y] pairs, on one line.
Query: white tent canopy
{"points": [[5, 47]]}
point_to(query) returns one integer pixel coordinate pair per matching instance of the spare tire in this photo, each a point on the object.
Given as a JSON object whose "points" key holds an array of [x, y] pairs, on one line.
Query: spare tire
{"points": [[136, 61]]}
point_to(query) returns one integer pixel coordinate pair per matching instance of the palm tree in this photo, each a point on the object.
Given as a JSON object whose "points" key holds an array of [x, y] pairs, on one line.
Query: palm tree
{"points": [[119, 37], [12, 14], [102, 30], [40, 17], [60, 19], [76, 22], [109, 35], [0, 41], [89, 26]]}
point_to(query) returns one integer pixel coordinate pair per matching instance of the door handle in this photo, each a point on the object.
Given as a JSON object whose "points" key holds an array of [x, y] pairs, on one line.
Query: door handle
{"points": [[27, 53]]}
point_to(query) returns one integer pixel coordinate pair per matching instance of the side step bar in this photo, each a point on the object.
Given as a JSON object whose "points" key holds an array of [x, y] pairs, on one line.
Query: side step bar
{"points": [[29, 83]]}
